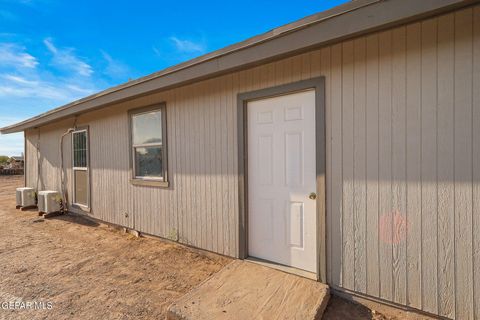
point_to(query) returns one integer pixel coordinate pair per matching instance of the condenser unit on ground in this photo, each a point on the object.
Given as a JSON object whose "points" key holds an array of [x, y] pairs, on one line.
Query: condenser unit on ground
{"points": [[49, 202], [26, 197]]}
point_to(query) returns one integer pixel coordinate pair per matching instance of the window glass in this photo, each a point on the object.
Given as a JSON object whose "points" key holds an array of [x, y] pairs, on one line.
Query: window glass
{"points": [[81, 187], [80, 149], [147, 128], [148, 162], [148, 144]]}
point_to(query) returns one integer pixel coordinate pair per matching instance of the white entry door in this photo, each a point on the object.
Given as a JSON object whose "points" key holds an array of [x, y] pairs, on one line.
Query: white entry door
{"points": [[282, 218]]}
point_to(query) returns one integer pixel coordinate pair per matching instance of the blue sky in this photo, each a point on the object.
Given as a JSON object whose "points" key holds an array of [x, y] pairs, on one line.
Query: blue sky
{"points": [[53, 51]]}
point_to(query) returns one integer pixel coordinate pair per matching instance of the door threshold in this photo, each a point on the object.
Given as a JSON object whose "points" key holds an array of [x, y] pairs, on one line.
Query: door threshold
{"points": [[284, 268]]}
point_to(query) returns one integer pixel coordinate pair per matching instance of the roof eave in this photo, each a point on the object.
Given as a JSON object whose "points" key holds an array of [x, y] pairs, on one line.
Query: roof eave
{"points": [[348, 20]]}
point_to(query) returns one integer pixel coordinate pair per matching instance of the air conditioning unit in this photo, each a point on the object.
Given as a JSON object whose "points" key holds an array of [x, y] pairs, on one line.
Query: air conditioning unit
{"points": [[19, 198], [26, 197], [49, 202]]}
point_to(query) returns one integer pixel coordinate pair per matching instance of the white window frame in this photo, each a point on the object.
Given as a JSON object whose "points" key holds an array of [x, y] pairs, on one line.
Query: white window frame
{"points": [[74, 202], [156, 181]]}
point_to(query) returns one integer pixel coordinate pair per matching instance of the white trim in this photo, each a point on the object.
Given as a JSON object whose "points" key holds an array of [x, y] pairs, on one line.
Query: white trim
{"points": [[147, 178], [144, 112], [147, 145], [80, 205]]}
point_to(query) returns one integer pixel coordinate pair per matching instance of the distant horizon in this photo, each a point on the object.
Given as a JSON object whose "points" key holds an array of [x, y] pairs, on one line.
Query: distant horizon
{"points": [[49, 59]]}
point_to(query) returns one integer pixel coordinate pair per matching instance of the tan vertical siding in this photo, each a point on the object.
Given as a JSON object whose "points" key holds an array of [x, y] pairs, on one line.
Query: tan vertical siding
{"points": [[476, 163], [385, 164], [429, 164], [399, 162], [347, 164], [445, 152], [413, 152], [403, 176], [463, 163], [31, 165], [109, 158], [360, 165], [372, 136], [336, 214], [173, 145], [48, 156]]}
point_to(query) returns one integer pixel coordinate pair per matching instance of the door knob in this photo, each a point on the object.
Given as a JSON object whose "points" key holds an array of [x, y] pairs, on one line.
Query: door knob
{"points": [[312, 196]]}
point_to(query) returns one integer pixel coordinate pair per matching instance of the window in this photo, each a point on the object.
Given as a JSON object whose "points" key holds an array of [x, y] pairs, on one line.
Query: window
{"points": [[80, 149], [80, 168], [149, 144]]}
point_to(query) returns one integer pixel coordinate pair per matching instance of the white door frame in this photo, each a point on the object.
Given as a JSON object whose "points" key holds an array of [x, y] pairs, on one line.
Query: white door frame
{"points": [[242, 99]]}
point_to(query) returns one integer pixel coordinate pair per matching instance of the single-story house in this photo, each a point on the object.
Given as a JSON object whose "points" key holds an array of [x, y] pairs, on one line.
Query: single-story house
{"points": [[16, 162], [345, 145]]}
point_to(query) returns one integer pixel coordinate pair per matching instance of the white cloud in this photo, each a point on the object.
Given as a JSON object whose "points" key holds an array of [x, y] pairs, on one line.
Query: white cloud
{"points": [[80, 90], [48, 43], [7, 15], [27, 2], [157, 51], [14, 55], [8, 120], [114, 68], [12, 144], [19, 79], [37, 94], [65, 58], [22, 77], [16, 86], [28, 87], [188, 46]]}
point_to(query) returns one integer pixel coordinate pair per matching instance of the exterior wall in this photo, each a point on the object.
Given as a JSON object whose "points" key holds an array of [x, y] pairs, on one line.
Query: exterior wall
{"points": [[403, 176], [47, 160]]}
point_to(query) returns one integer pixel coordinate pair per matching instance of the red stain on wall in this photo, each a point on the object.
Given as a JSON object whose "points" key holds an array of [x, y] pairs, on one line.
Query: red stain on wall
{"points": [[393, 227]]}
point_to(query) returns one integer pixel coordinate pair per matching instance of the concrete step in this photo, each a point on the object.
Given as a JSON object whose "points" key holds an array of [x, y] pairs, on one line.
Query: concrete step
{"points": [[246, 290]]}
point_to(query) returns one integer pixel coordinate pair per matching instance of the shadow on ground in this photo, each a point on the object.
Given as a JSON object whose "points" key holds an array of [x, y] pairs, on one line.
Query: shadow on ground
{"points": [[76, 220], [340, 309]]}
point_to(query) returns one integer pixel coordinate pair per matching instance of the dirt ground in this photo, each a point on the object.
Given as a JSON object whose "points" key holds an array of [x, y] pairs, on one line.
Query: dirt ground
{"points": [[88, 271], [340, 309], [77, 269]]}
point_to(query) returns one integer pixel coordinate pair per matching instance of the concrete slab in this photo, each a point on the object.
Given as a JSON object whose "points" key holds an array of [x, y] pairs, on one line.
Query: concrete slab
{"points": [[246, 290]]}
